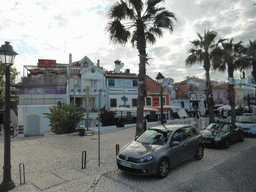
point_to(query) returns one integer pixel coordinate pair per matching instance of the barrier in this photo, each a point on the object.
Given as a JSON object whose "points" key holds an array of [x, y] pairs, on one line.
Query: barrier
{"points": [[117, 149], [84, 160], [22, 167]]}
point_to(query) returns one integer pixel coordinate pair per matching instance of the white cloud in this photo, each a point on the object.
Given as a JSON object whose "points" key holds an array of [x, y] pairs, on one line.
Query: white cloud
{"points": [[51, 29]]}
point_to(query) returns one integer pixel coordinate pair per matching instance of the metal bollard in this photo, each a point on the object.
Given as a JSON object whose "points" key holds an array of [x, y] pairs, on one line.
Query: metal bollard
{"points": [[84, 160], [22, 166], [117, 149]]}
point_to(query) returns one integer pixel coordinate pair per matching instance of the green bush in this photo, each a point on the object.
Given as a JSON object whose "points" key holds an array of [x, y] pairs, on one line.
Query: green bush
{"points": [[64, 118], [108, 118]]}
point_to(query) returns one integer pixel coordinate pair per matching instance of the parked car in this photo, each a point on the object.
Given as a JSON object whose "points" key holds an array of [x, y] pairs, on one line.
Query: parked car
{"points": [[248, 123], [222, 134], [160, 148]]}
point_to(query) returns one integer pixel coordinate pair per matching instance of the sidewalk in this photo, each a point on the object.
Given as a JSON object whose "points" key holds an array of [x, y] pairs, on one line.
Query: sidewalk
{"points": [[53, 162]]}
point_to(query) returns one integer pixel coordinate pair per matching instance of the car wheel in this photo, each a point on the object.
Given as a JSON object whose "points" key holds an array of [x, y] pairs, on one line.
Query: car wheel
{"points": [[227, 144], [241, 138], [163, 168], [199, 152]]}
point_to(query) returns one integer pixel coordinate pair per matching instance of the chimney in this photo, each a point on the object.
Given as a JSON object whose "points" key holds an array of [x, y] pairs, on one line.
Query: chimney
{"points": [[127, 70], [70, 59], [98, 63], [118, 66]]}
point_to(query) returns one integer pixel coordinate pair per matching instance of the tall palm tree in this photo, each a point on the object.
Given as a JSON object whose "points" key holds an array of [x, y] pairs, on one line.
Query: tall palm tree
{"points": [[201, 53], [146, 20], [250, 60], [229, 56]]}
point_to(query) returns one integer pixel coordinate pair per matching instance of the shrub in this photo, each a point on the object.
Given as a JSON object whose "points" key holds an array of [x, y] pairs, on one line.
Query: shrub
{"points": [[64, 117], [108, 118]]}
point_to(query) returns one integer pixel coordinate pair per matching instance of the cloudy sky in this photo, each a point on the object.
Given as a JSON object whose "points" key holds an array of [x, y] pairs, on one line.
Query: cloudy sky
{"points": [[52, 29]]}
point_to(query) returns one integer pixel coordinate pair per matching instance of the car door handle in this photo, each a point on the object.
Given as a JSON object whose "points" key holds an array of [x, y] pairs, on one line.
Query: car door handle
{"points": [[185, 144]]}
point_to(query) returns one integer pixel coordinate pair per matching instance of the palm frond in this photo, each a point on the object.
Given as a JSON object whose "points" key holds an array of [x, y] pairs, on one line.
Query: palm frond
{"points": [[163, 20], [118, 33], [150, 37], [156, 31], [120, 11]]}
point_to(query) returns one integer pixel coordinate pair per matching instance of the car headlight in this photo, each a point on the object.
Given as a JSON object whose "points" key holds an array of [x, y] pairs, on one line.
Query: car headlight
{"points": [[217, 138], [145, 159]]}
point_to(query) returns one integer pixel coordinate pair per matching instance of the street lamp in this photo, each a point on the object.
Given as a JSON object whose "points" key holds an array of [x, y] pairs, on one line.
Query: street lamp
{"points": [[7, 56], [160, 80]]}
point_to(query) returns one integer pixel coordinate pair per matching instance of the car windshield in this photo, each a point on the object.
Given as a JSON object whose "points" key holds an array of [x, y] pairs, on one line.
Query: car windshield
{"points": [[247, 119], [218, 127], [154, 136]]}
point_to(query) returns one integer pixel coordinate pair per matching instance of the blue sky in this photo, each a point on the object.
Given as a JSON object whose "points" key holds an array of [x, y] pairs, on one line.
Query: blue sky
{"points": [[52, 29]]}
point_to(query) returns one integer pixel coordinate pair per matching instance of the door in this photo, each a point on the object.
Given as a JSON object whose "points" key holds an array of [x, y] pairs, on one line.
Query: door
{"points": [[178, 153], [32, 125]]}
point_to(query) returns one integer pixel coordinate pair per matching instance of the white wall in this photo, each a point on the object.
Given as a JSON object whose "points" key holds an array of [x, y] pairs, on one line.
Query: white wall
{"points": [[25, 110]]}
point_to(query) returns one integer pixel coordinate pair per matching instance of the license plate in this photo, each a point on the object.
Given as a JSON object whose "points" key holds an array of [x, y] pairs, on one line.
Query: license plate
{"points": [[126, 164]]}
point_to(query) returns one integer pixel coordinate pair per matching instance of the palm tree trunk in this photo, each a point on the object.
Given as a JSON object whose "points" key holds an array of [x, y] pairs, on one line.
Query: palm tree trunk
{"points": [[231, 93], [209, 97], [210, 101], [141, 45], [231, 98], [254, 70]]}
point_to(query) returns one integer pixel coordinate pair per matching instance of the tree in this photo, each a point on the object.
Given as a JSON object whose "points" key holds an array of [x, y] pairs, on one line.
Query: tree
{"points": [[250, 58], [146, 20], [13, 75], [13, 92], [201, 53], [229, 56], [64, 118]]}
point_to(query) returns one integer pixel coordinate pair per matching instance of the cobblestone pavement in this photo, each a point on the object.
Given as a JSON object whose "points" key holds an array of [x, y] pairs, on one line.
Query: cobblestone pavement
{"points": [[53, 163]]}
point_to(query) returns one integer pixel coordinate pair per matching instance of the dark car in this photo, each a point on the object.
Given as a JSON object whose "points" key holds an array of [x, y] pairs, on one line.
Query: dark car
{"points": [[222, 134], [159, 148]]}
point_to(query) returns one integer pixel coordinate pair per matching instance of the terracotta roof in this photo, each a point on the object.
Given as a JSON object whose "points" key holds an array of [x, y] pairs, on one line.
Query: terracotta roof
{"points": [[222, 86], [151, 85], [182, 90]]}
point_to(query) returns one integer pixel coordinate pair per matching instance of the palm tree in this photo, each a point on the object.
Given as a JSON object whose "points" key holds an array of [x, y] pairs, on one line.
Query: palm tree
{"points": [[250, 60], [229, 57], [146, 20], [201, 53]]}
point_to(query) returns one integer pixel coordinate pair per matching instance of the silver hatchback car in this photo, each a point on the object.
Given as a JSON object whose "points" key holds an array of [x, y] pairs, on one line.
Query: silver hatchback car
{"points": [[160, 148]]}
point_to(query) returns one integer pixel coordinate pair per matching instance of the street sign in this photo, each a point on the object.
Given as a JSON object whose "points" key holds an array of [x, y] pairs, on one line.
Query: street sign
{"points": [[100, 101]]}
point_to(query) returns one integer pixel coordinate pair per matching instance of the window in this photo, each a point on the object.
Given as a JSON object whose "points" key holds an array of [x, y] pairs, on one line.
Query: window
{"points": [[113, 103], [149, 101], [163, 99], [190, 131], [135, 83], [182, 104], [179, 135], [134, 102], [93, 84], [218, 95], [111, 82]]}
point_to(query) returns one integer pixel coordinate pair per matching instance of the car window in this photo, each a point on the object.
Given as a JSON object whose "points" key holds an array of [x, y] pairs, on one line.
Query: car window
{"points": [[154, 136], [179, 135], [247, 119], [225, 128], [190, 131]]}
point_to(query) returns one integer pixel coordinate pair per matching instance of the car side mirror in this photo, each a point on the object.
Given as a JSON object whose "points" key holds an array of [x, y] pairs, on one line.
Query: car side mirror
{"points": [[175, 143]]}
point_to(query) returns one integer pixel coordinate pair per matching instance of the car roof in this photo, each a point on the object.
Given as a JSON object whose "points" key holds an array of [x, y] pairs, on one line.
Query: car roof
{"points": [[172, 127]]}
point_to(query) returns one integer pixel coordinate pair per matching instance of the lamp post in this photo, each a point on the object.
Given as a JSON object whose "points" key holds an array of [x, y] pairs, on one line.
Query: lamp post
{"points": [[160, 80], [7, 56]]}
